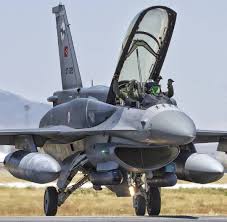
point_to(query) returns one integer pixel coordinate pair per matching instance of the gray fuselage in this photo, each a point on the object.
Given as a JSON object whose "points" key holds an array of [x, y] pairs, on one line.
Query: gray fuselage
{"points": [[161, 126]]}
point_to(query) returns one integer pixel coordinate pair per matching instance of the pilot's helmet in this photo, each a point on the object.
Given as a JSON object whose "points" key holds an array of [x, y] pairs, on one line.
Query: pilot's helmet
{"points": [[148, 85], [155, 90], [133, 84]]}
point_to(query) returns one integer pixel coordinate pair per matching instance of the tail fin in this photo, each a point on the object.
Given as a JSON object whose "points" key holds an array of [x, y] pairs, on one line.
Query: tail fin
{"points": [[70, 73]]}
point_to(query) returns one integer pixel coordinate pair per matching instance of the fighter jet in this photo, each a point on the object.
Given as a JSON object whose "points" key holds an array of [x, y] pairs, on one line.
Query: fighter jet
{"points": [[120, 137]]}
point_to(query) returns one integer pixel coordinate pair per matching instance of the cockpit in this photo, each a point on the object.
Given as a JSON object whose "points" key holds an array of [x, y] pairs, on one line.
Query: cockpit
{"points": [[132, 95], [143, 53]]}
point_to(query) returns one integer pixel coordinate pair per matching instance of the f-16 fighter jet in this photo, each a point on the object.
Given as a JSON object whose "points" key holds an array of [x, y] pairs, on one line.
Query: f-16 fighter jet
{"points": [[128, 138]]}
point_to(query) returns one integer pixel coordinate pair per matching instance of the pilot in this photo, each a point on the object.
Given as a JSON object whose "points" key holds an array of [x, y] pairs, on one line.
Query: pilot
{"points": [[131, 93], [170, 92], [153, 87]]}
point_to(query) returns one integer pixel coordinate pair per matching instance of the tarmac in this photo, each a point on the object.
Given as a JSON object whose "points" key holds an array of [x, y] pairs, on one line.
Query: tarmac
{"points": [[116, 219]]}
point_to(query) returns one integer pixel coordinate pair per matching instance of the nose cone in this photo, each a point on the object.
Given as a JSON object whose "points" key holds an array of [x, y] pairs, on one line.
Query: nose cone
{"points": [[172, 127]]}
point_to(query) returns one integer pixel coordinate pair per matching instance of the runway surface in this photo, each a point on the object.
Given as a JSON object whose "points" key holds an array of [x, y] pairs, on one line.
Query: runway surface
{"points": [[116, 219]]}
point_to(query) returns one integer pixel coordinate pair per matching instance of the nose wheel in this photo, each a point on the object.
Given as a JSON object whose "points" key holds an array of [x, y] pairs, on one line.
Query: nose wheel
{"points": [[50, 201]]}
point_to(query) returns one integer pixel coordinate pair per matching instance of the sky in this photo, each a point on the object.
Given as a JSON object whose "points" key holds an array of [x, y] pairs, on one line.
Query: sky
{"points": [[196, 60]]}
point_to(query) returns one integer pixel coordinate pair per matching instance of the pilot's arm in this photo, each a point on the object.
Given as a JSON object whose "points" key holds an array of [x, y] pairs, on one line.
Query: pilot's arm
{"points": [[170, 92]]}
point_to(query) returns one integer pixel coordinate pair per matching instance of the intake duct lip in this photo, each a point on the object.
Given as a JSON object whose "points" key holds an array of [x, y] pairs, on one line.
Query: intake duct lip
{"points": [[149, 158]]}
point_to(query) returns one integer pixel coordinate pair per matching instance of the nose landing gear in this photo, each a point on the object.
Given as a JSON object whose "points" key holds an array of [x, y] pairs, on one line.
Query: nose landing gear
{"points": [[146, 197], [150, 200]]}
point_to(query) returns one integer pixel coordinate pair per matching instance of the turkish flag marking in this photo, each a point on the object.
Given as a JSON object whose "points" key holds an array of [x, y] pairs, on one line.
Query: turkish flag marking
{"points": [[66, 51]]}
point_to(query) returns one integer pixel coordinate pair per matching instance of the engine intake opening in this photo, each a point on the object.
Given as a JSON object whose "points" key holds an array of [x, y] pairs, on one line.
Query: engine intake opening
{"points": [[147, 158]]}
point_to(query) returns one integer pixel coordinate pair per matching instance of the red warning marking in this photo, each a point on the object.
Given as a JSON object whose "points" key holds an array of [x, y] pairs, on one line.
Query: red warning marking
{"points": [[66, 51]]}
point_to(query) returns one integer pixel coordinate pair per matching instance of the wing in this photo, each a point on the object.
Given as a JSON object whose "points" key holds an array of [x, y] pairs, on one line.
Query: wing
{"points": [[56, 134], [210, 136], [64, 134], [40, 135]]}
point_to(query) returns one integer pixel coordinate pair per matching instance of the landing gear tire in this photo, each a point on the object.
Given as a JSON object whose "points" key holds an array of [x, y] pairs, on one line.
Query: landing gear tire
{"points": [[140, 205], [50, 201], [154, 201]]}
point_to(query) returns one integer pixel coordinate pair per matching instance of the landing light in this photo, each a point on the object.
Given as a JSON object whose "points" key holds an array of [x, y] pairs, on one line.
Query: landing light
{"points": [[131, 191]]}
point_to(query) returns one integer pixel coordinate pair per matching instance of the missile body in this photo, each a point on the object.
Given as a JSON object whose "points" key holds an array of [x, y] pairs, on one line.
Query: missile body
{"points": [[35, 167], [198, 168]]}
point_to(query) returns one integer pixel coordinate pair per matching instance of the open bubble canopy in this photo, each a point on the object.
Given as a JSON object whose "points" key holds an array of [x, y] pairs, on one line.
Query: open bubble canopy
{"points": [[145, 46]]}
